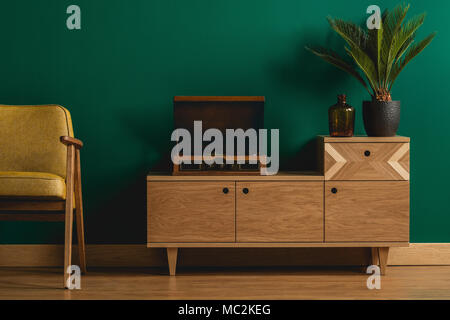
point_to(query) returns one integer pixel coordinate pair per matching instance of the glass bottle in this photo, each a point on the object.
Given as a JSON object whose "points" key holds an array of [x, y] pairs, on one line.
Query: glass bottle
{"points": [[341, 118]]}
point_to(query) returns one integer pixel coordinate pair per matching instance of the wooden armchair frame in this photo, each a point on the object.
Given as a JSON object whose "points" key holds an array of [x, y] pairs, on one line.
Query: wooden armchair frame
{"points": [[60, 210]]}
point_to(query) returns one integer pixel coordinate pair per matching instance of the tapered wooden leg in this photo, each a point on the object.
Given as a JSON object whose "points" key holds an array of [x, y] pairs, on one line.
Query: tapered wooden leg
{"points": [[383, 256], [172, 254], [374, 256], [79, 212], [69, 212]]}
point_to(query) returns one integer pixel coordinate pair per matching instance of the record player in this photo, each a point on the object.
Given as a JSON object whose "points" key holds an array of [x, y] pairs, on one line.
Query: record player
{"points": [[219, 112]]}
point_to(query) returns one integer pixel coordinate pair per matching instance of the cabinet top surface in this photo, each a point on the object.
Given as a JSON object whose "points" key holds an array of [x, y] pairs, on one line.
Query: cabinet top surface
{"points": [[364, 139], [281, 176]]}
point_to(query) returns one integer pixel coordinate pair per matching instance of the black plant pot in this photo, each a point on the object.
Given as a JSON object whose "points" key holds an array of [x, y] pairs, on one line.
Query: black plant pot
{"points": [[381, 119]]}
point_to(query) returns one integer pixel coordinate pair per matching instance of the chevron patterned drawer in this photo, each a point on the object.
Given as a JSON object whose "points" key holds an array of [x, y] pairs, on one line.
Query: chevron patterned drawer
{"points": [[366, 161]]}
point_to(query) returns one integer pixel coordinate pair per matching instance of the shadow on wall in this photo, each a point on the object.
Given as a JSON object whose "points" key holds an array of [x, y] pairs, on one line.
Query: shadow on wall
{"points": [[321, 77], [121, 216], [305, 159], [307, 75]]}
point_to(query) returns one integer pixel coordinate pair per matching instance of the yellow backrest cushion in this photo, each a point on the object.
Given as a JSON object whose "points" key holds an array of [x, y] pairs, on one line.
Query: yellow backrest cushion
{"points": [[29, 138]]}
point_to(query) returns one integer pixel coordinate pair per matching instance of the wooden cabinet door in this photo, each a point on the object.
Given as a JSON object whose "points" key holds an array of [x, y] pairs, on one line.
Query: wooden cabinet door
{"points": [[286, 211], [366, 211], [191, 211], [366, 161]]}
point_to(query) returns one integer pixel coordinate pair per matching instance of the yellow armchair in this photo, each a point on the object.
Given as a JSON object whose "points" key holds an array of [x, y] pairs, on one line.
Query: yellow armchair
{"points": [[40, 171]]}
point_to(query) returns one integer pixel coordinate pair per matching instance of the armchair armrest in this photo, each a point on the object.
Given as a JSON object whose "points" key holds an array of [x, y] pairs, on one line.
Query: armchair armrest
{"points": [[68, 141]]}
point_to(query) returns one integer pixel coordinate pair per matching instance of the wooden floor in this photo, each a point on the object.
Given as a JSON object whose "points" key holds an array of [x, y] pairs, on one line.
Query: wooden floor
{"points": [[423, 282]]}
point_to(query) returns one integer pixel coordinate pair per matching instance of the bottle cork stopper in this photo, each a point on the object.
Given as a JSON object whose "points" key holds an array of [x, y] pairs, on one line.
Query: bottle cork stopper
{"points": [[342, 98]]}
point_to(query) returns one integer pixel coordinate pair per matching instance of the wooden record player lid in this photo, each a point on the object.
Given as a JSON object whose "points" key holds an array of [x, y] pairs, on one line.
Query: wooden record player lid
{"points": [[218, 98]]}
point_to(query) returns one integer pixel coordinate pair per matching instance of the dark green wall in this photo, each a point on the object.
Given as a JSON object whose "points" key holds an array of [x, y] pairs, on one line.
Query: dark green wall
{"points": [[119, 73]]}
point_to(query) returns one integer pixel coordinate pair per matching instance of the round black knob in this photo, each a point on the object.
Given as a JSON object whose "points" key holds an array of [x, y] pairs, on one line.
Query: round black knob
{"points": [[245, 190], [367, 153], [333, 190], [225, 190]]}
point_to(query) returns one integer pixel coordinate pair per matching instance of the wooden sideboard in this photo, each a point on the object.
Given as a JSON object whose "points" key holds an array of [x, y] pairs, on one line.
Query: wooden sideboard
{"points": [[359, 197]]}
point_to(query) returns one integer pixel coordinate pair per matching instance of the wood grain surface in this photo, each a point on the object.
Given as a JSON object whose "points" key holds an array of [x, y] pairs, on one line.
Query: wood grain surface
{"points": [[191, 212], [367, 211], [279, 212], [366, 161]]}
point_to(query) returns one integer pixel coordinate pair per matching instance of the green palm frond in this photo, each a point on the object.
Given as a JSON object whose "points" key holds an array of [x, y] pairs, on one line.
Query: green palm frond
{"points": [[407, 32], [357, 39], [412, 52], [381, 54], [392, 22], [365, 64], [401, 37], [354, 35], [334, 59], [375, 42], [404, 47]]}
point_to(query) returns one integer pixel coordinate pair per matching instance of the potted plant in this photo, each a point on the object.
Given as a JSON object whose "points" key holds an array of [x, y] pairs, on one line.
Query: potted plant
{"points": [[380, 54]]}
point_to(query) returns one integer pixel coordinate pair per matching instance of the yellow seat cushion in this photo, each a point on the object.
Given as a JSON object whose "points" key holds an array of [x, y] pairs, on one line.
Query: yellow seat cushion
{"points": [[32, 185]]}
